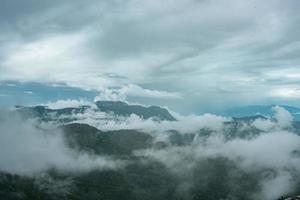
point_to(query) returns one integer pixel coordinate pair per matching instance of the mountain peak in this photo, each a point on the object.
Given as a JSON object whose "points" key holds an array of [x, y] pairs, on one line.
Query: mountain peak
{"points": [[125, 109], [116, 107]]}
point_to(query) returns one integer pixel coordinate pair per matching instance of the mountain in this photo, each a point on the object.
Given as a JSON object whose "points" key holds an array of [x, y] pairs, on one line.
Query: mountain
{"points": [[153, 165], [249, 118], [43, 113], [263, 110], [143, 177], [120, 142], [290, 198], [124, 109], [115, 107]]}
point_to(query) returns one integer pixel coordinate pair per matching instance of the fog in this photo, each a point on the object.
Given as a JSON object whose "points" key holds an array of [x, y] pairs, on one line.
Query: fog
{"points": [[271, 157], [184, 124], [271, 152], [27, 149]]}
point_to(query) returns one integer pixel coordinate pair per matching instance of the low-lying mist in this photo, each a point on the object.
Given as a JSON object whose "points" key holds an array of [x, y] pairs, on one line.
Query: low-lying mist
{"points": [[212, 156], [27, 148]]}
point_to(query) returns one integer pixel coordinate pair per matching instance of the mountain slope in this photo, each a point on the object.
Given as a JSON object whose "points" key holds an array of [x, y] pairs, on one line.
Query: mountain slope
{"points": [[120, 142], [112, 107], [124, 109], [263, 110]]}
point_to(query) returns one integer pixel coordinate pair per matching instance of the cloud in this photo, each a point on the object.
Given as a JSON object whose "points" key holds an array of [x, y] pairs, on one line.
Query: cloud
{"points": [[189, 51], [289, 92], [283, 120], [253, 156], [257, 152], [68, 103], [26, 149], [276, 186], [263, 124], [135, 91], [28, 92], [283, 117], [184, 124]]}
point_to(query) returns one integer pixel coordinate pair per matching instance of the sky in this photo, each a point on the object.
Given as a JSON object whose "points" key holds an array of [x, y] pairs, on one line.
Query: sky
{"points": [[189, 55]]}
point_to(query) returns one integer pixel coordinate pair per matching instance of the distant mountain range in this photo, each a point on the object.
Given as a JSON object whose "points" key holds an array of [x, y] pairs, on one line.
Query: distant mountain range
{"points": [[120, 108], [240, 115], [145, 176], [124, 109], [263, 110], [115, 107]]}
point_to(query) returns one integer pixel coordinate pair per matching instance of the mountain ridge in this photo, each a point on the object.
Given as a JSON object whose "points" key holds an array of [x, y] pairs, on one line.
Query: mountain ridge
{"points": [[263, 110], [118, 108]]}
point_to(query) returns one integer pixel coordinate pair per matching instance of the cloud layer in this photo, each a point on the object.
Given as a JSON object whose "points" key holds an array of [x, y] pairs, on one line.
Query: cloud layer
{"points": [[204, 149], [27, 149], [208, 52]]}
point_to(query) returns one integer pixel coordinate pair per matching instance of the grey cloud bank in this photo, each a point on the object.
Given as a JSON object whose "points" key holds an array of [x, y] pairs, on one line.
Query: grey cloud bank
{"points": [[199, 52]]}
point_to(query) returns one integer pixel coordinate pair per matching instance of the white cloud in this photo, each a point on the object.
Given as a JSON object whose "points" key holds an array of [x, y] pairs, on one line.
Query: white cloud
{"points": [[110, 95], [11, 85], [274, 187], [179, 49], [259, 154], [184, 124], [254, 155], [68, 103], [283, 117], [286, 92], [263, 124], [135, 91], [28, 92], [27, 150], [259, 151], [250, 155]]}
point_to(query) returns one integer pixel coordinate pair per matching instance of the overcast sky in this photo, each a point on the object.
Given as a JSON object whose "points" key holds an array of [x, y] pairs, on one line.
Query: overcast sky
{"points": [[190, 55]]}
